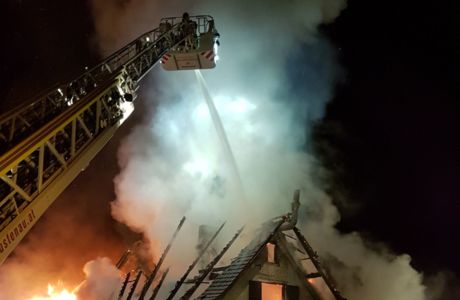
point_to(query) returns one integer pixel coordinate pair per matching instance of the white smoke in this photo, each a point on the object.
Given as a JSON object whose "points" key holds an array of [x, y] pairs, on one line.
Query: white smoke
{"points": [[102, 280], [275, 76], [361, 271]]}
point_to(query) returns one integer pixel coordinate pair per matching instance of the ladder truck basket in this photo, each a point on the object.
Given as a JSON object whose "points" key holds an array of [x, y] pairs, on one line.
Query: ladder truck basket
{"points": [[196, 41]]}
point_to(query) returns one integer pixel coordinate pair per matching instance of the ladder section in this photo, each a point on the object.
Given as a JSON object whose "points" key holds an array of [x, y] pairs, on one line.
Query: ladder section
{"points": [[45, 143], [39, 168], [137, 58]]}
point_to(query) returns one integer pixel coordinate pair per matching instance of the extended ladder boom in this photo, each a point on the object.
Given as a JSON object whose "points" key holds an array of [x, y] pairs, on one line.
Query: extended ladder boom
{"points": [[137, 58], [45, 143]]}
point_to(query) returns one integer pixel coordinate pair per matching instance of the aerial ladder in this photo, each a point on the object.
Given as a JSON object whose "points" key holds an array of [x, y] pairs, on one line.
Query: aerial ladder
{"points": [[49, 140]]}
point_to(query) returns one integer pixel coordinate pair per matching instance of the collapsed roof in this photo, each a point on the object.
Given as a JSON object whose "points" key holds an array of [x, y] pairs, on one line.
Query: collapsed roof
{"points": [[278, 263]]}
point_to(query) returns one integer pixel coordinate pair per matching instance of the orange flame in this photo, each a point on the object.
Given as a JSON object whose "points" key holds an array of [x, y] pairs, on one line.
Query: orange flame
{"points": [[53, 294]]}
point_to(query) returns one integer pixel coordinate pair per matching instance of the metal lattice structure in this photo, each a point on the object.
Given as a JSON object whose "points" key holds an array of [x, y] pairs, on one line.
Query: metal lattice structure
{"points": [[45, 143]]}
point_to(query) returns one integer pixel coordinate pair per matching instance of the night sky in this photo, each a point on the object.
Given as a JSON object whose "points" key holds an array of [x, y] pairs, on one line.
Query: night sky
{"points": [[390, 135], [395, 122]]}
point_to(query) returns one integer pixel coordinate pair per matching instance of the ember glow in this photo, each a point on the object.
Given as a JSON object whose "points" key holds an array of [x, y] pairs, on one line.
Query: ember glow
{"points": [[55, 293], [272, 291]]}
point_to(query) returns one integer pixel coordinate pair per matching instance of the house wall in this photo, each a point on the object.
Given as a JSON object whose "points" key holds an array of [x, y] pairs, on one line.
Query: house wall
{"points": [[282, 272]]}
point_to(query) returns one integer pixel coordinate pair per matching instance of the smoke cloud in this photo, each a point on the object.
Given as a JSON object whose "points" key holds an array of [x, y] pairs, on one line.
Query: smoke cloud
{"points": [[363, 270], [102, 280], [443, 285], [274, 78]]}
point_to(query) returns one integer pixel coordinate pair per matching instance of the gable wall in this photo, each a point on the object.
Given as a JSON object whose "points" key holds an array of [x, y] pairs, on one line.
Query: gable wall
{"points": [[283, 273]]}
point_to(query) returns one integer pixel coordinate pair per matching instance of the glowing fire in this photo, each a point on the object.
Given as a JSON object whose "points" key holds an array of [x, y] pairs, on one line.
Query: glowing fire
{"points": [[53, 294]]}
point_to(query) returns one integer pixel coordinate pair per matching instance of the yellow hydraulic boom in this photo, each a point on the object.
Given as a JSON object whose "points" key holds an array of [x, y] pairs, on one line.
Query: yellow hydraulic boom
{"points": [[45, 143]]}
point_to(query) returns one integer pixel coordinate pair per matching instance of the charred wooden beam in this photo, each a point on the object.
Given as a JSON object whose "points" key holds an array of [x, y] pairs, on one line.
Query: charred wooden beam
{"points": [[188, 294], [315, 260], [151, 278], [190, 268], [160, 283], [123, 287], [133, 287], [123, 259]]}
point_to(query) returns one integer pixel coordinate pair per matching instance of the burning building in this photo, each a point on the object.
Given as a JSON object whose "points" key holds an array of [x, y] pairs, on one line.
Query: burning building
{"points": [[277, 264]]}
